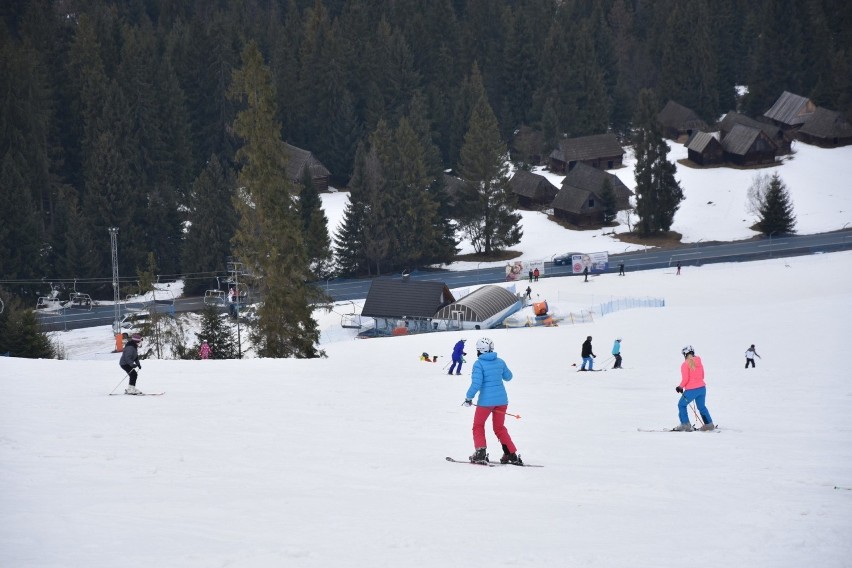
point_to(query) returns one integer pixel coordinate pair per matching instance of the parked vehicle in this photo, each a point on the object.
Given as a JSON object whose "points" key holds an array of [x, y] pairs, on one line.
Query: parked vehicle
{"points": [[564, 259]]}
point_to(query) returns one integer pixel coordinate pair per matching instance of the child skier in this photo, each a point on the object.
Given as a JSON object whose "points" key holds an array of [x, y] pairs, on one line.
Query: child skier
{"points": [[750, 355], [489, 372], [130, 360], [616, 352], [691, 388], [204, 351]]}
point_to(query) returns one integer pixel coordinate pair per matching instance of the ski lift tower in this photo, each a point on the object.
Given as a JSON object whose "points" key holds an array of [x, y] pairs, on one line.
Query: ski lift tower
{"points": [[116, 324]]}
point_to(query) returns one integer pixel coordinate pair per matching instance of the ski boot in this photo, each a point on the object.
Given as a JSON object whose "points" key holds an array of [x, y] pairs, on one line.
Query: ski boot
{"points": [[509, 457], [131, 389], [479, 456], [685, 427], [708, 426]]}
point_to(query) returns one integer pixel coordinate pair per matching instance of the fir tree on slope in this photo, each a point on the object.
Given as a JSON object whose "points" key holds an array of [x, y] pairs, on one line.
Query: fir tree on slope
{"points": [[488, 206], [775, 209], [20, 335], [219, 336], [268, 239], [658, 194], [314, 228]]}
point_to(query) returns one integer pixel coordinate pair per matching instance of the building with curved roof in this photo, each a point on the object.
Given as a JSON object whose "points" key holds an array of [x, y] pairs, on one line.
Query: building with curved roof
{"points": [[484, 308]]}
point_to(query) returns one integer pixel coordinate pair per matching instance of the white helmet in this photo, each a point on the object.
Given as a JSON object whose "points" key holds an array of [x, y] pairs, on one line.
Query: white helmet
{"points": [[484, 345], [687, 350]]}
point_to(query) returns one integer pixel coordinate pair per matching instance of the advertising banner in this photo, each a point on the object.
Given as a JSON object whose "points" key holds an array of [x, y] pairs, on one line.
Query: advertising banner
{"points": [[595, 262]]}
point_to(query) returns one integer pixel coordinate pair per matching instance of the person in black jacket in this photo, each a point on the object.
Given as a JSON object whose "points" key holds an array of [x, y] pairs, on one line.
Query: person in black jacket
{"points": [[588, 355], [130, 361]]}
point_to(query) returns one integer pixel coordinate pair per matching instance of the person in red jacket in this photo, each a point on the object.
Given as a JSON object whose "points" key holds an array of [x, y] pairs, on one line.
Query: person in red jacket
{"points": [[691, 388]]}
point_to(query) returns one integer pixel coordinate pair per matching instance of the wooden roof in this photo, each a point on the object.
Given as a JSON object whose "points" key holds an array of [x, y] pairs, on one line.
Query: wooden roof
{"points": [[396, 298], [533, 186], [733, 118], [790, 109], [588, 148], [824, 123], [701, 140], [741, 138], [675, 115], [299, 159], [584, 181]]}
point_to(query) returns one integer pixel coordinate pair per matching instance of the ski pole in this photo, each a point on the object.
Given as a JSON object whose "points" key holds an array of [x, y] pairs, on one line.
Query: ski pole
{"points": [[517, 416], [126, 375]]}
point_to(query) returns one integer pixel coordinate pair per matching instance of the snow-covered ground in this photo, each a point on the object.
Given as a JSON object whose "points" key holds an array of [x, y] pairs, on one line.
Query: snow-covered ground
{"points": [[340, 461]]}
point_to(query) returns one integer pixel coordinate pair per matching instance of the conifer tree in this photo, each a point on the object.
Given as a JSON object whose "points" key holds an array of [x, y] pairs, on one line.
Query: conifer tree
{"points": [[212, 222], [20, 335], [609, 201], [314, 228], [268, 238], [776, 209], [489, 206], [658, 194], [219, 336]]}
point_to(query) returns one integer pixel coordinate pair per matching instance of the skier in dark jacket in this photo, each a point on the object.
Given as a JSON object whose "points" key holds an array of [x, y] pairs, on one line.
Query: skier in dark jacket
{"points": [[458, 357], [130, 361], [588, 355]]}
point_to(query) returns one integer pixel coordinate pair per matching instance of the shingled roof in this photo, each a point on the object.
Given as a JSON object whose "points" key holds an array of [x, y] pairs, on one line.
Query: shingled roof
{"points": [[587, 148], [394, 298], [741, 138], [733, 118], [582, 182], [299, 159], [700, 141], [824, 123], [533, 186], [790, 109], [679, 117]]}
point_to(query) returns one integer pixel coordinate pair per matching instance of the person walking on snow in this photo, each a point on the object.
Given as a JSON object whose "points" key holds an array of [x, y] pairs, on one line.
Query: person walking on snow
{"points": [[616, 352], [204, 351], [529, 293], [458, 356], [535, 275], [489, 373], [130, 361], [588, 355], [691, 388], [750, 354]]}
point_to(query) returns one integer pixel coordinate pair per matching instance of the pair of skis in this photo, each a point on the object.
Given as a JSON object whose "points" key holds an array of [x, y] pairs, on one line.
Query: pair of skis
{"points": [[138, 394], [490, 463]]}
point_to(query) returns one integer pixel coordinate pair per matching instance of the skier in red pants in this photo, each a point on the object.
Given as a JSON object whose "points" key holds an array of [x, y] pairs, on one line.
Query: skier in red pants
{"points": [[487, 377]]}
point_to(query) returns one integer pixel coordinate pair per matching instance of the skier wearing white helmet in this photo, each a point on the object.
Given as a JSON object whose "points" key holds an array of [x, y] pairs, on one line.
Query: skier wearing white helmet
{"points": [[616, 352], [487, 377], [691, 388]]}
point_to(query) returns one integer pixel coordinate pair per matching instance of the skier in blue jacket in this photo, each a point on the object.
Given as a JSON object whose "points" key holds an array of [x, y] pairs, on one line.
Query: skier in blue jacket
{"points": [[458, 357], [489, 373]]}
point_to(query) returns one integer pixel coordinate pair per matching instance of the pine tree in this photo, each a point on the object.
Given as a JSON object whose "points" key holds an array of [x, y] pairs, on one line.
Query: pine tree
{"points": [[219, 336], [658, 194], [20, 335], [610, 209], [314, 228], [268, 239], [489, 206], [212, 222], [776, 209]]}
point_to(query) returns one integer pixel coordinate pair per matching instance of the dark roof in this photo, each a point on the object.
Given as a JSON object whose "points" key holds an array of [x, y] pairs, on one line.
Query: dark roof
{"points": [[741, 138], [824, 123], [733, 118], [533, 186], [583, 181], [677, 116], [396, 298], [298, 160], [588, 148], [480, 305], [701, 140], [790, 109]]}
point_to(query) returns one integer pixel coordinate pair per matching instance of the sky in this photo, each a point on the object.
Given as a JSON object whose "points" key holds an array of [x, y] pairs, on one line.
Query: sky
{"points": [[339, 461]]}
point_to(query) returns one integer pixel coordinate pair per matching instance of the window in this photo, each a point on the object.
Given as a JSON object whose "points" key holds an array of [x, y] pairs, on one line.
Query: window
{"points": [[591, 203]]}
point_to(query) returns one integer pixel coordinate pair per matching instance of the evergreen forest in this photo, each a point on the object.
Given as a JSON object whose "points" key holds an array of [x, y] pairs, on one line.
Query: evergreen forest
{"points": [[163, 118]]}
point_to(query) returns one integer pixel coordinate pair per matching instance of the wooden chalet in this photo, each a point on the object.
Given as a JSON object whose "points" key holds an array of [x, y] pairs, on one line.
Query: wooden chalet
{"points": [[827, 129], [533, 190], [790, 111], [526, 145], [705, 149], [299, 160], [580, 201], [783, 138], [679, 122], [748, 146], [405, 304], [601, 151]]}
